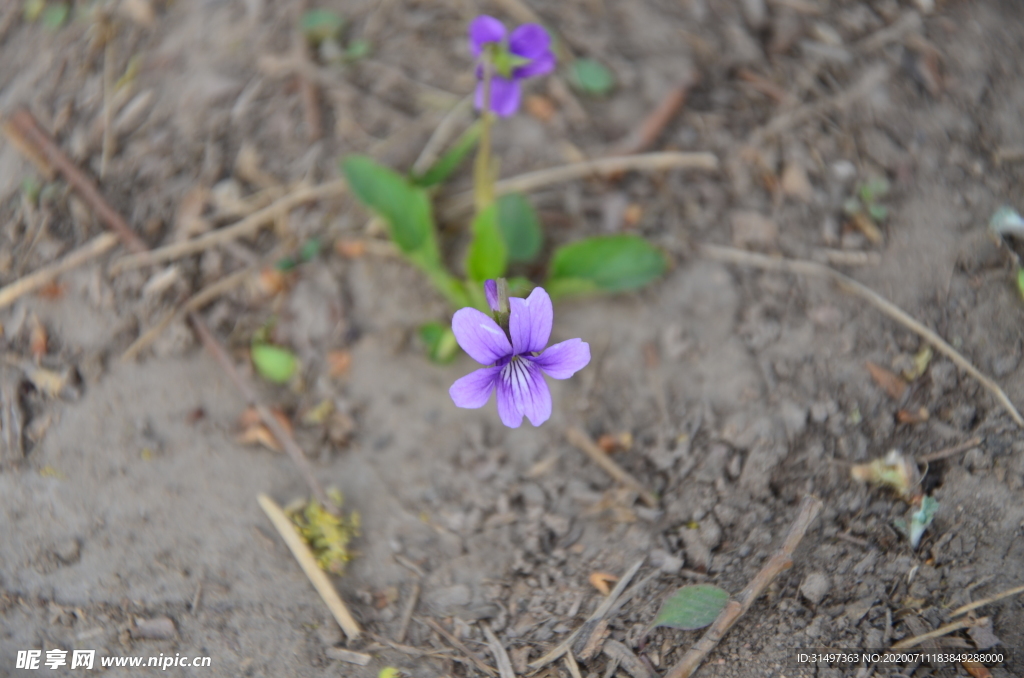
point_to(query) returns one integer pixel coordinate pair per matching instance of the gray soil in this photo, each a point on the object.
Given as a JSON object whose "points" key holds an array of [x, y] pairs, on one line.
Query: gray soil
{"points": [[743, 390]]}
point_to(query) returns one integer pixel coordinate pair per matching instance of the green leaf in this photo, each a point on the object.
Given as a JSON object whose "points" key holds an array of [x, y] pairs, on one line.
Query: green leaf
{"points": [[591, 77], [874, 189], [878, 212], [451, 160], [692, 607], [440, 342], [404, 207], [54, 16], [487, 256], [320, 24], [921, 519], [612, 263], [1020, 281], [519, 227], [357, 49], [275, 364]]}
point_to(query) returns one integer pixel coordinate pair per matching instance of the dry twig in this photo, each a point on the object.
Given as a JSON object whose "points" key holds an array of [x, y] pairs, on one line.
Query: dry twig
{"points": [[460, 646], [582, 441], [780, 560], [603, 609], [950, 451], [240, 229], [307, 561], [651, 128], [736, 256], [939, 632], [410, 607], [964, 609], [498, 650], [33, 281], [23, 123], [461, 204]]}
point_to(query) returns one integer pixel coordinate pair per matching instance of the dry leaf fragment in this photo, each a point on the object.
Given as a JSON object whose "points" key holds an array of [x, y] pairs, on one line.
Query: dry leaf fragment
{"points": [[600, 581], [350, 249], [977, 669], [255, 432], [631, 217], [892, 384], [338, 363], [921, 362], [36, 338], [189, 222], [540, 107]]}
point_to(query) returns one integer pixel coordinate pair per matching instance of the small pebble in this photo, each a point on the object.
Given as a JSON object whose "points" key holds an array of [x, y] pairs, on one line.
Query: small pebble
{"points": [[814, 587]]}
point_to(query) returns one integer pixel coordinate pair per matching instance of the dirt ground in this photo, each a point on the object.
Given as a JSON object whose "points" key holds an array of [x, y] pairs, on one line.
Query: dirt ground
{"points": [[743, 390]]}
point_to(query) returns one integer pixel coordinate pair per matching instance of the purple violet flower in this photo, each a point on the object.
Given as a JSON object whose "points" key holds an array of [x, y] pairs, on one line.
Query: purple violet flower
{"points": [[516, 368], [527, 55]]}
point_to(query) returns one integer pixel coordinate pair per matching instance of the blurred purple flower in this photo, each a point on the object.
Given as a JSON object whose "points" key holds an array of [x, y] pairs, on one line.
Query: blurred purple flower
{"points": [[528, 54], [517, 367]]}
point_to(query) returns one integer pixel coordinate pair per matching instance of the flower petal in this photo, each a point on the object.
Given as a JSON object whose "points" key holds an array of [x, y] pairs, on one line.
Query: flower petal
{"points": [[480, 336], [529, 41], [491, 292], [541, 65], [504, 96], [522, 390], [530, 321], [482, 30], [511, 415], [474, 390], [564, 359]]}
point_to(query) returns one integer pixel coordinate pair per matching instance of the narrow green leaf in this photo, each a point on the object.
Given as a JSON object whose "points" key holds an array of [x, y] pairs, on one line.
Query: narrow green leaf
{"points": [[1020, 281], [320, 24], [357, 49], [591, 77], [878, 212], [519, 227], [275, 364], [487, 256], [451, 160], [404, 207], [692, 607], [607, 263]]}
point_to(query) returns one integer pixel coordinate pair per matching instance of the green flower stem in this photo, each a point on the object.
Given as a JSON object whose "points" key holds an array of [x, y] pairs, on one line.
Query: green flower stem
{"points": [[483, 177]]}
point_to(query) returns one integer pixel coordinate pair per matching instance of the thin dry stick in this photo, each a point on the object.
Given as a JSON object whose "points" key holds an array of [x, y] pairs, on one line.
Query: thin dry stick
{"points": [[25, 125], [442, 135], [950, 451], [22, 122], [243, 228], [410, 607], [571, 665], [964, 609], [33, 281], [108, 100], [268, 419], [524, 183], [735, 256], [602, 609], [460, 646], [651, 128], [780, 560], [582, 441], [195, 303], [498, 650], [939, 632], [784, 121], [307, 561]]}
